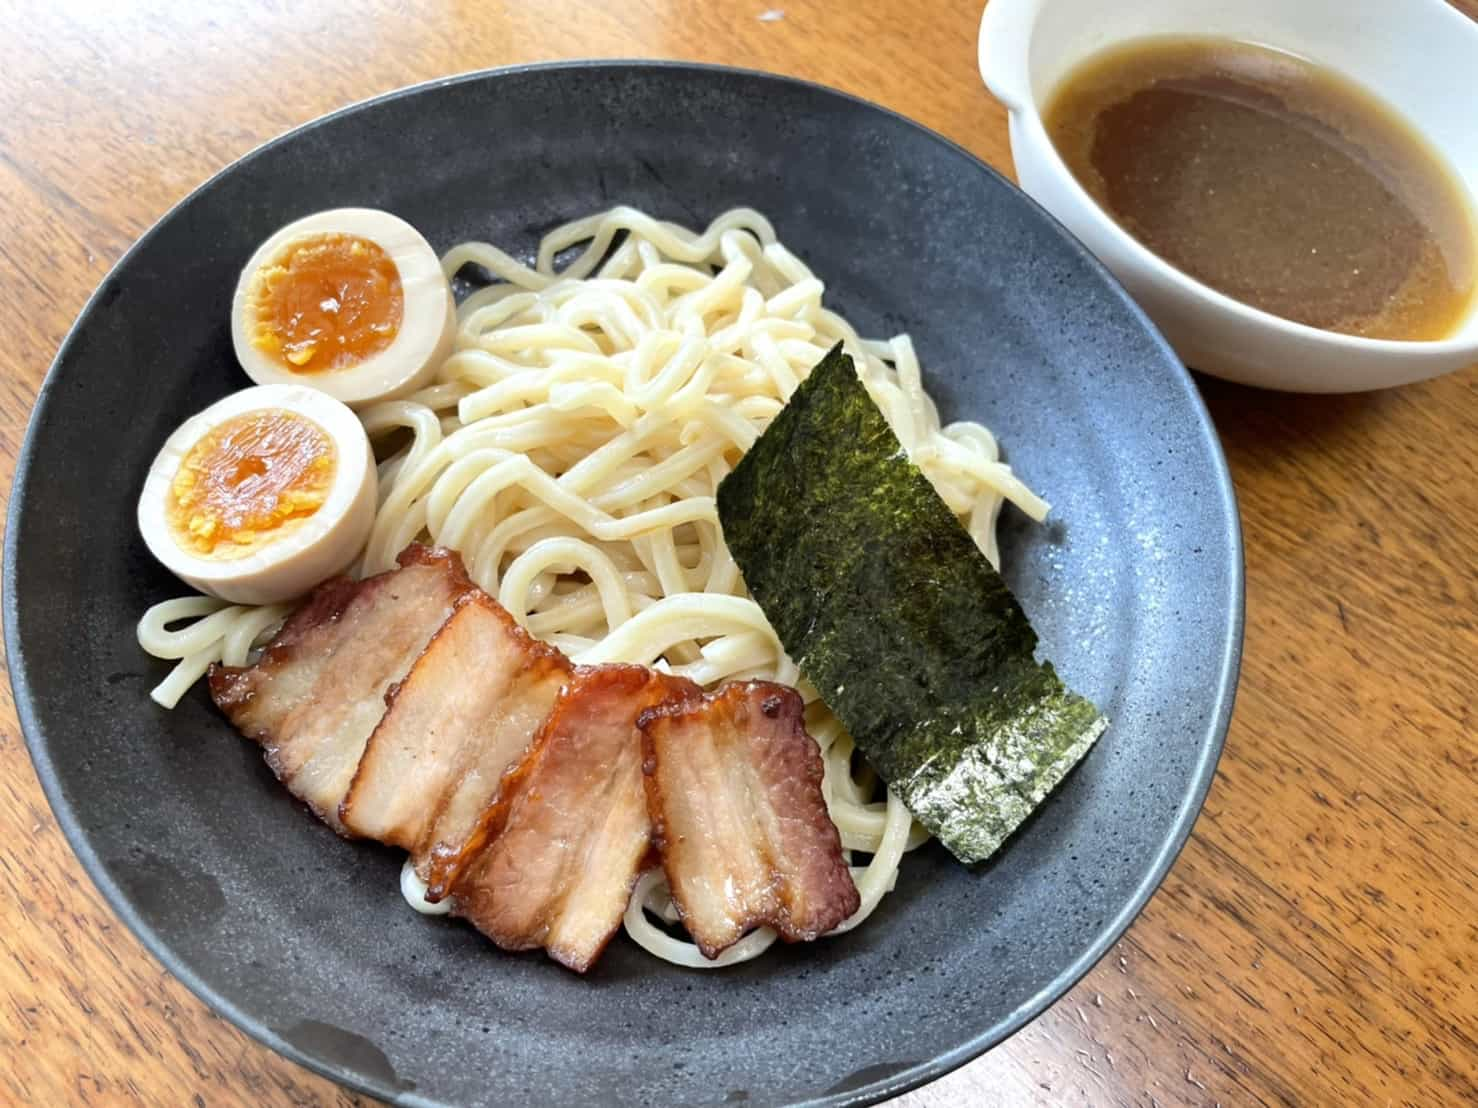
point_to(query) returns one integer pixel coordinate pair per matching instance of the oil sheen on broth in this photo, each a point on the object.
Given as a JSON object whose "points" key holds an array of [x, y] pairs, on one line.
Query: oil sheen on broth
{"points": [[1273, 181]]}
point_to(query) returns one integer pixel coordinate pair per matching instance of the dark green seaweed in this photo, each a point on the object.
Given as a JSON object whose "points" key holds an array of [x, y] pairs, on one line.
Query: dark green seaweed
{"points": [[881, 597]]}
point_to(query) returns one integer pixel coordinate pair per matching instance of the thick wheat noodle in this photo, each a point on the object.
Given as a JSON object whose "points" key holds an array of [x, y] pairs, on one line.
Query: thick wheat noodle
{"points": [[571, 449]]}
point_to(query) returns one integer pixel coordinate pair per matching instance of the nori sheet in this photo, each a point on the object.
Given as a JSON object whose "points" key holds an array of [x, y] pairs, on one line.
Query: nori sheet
{"points": [[908, 633]]}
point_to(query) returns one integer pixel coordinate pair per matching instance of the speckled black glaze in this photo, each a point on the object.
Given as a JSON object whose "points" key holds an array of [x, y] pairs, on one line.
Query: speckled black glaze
{"points": [[302, 939]]}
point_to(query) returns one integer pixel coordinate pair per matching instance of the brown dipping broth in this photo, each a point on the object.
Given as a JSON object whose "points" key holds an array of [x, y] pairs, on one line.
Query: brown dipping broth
{"points": [[1273, 181]]}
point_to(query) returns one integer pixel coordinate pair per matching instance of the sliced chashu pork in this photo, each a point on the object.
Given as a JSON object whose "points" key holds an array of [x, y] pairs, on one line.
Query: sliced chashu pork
{"points": [[318, 690], [554, 859], [734, 792], [467, 710]]}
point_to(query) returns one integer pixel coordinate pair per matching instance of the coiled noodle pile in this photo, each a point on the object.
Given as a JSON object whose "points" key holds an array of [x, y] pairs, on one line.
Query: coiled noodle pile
{"points": [[571, 449]]}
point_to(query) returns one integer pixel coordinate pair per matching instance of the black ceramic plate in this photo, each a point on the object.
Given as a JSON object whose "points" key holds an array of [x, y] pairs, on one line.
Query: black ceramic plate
{"points": [[303, 940]]}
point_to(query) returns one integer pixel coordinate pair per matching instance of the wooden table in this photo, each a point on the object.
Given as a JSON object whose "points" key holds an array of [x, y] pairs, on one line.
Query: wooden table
{"points": [[1316, 941]]}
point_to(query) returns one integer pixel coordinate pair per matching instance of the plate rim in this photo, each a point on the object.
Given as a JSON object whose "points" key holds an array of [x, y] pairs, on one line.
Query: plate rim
{"points": [[1189, 806]]}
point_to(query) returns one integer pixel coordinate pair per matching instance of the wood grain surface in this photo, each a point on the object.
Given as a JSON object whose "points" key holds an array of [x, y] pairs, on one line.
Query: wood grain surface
{"points": [[1315, 943]]}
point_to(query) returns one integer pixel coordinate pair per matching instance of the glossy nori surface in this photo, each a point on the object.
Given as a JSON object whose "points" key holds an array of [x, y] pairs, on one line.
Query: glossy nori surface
{"points": [[897, 619]]}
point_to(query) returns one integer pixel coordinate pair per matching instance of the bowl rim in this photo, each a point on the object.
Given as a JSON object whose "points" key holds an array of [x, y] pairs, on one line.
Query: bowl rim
{"points": [[1188, 808], [1003, 44]]}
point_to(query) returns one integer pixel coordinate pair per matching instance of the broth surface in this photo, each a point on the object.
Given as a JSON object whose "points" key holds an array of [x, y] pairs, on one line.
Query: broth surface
{"points": [[1272, 180]]}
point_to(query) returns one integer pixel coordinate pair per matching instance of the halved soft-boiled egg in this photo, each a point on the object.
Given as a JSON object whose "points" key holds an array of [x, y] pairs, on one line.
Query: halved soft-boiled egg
{"points": [[351, 301], [262, 495]]}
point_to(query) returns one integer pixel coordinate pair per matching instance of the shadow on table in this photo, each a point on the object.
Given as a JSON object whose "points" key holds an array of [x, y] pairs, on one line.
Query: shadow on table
{"points": [[1260, 426]]}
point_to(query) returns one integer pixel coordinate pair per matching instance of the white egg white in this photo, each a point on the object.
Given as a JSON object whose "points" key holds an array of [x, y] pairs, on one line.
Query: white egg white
{"points": [[428, 321], [321, 546]]}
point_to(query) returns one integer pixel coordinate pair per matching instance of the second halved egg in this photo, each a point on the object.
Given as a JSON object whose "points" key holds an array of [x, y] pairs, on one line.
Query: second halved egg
{"points": [[351, 302]]}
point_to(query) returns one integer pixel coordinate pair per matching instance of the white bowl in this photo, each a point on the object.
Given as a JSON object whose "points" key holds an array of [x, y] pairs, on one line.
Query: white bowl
{"points": [[1419, 56]]}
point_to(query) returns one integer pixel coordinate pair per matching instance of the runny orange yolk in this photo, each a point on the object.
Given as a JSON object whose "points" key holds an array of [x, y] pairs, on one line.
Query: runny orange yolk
{"points": [[249, 482], [328, 301]]}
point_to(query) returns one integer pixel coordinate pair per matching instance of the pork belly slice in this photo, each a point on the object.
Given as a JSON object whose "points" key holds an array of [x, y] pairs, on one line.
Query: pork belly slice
{"points": [[467, 710], [318, 690], [555, 857], [734, 792]]}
